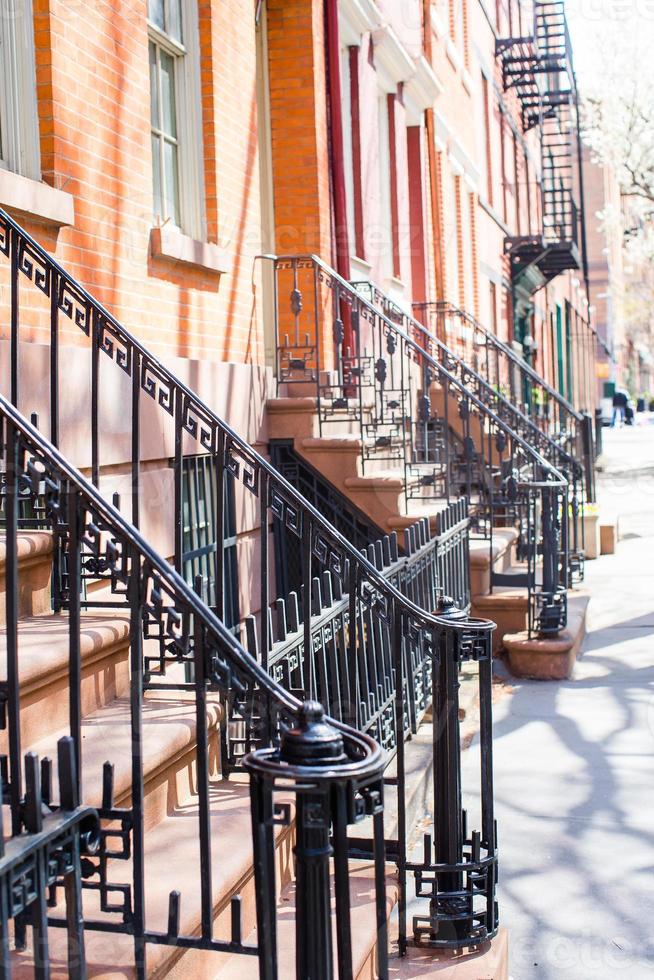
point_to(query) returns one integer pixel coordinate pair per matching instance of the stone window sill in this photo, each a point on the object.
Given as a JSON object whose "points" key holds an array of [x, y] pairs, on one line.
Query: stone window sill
{"points": [[36, 199], [172, 244]]}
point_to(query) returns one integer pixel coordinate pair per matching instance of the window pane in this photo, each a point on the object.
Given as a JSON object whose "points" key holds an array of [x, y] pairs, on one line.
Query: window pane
{"points": [[156, 13], [156, 176], [154, 88], [174, 25], [168, 122], [172, 182]]}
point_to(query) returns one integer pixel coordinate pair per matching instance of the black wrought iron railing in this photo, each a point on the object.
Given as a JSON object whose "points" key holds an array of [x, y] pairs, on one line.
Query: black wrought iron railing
{"points": [[420, 409], [507, 384], [177, 645], [412, 642]]}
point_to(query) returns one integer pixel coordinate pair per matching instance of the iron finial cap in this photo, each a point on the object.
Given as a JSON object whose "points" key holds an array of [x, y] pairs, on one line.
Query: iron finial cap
{"points": [[447, 607], [313, 742]]}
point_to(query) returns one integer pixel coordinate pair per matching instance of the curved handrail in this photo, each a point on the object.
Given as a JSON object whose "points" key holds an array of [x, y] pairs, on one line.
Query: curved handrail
{"points": [[372, 755], [198, 417], [558, 479]]}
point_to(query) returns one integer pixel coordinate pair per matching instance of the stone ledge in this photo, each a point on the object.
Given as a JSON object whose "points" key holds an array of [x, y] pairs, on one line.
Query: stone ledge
{"points": [[36, 199], [549, 659], [170, 243]]}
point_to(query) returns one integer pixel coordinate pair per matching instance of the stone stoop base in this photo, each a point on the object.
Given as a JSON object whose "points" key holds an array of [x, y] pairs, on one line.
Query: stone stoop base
{"points": [[608, 538], [549, 659], [489, 962]]}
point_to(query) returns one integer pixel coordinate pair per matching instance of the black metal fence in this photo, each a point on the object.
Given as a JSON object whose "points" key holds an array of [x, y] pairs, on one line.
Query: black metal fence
{"points": [[178, 646], [389, 654], [421, 409]]}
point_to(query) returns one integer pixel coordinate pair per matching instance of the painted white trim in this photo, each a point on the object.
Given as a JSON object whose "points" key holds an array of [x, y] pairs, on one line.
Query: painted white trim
{"points": [[385, 236], [188, 108], [453, 54], [392, 62], [459, 156], [348, 161], [493, 275], [169, 242], [52, 206], [455, 166], [360, 270], [421, 91], [441, 131], [355, 18], [439, 26], [189, 122], [19, 119]]}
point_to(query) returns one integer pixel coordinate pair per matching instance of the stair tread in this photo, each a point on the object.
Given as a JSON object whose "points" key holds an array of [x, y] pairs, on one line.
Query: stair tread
{"points": [[480, 548], [364, 930], [169, 727], [172, 860], [30, 544], [43, 641]]}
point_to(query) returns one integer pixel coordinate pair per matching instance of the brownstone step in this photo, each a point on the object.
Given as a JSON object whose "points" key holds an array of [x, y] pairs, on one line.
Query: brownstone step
{"points": [[43, 656], [364, 929], [172, 863], [169, 739], [34, 549]]}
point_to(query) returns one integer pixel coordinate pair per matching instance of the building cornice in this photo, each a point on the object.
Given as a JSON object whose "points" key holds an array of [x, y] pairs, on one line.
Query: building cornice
{"points": [[355, 18], [392, 63], [461, 162], [421, 91]]}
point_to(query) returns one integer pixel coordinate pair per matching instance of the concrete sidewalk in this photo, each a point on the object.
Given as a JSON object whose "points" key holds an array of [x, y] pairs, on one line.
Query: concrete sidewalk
{"points": [[574, 766]]}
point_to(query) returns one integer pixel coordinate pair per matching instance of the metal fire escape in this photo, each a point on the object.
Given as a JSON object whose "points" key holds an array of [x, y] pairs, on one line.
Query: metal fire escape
{"points": [[538, 68]]}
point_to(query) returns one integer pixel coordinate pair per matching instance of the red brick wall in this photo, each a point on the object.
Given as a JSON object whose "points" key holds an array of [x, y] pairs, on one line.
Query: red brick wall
{"points": [[93, 100]]}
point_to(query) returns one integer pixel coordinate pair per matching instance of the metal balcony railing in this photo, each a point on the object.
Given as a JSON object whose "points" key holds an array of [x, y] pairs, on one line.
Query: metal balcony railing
{"points": [[180, 645]]}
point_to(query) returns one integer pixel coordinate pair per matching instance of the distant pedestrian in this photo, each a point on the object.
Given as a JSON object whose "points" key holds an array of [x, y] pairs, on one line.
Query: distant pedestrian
{"points": [[620, 400]]}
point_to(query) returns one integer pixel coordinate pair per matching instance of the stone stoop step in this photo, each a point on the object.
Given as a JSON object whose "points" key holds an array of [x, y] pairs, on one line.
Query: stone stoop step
{"points": [[489, 962], [486, 555], [34, 573], [44, 661], [364, 930], [550, 659], [172, 862]]}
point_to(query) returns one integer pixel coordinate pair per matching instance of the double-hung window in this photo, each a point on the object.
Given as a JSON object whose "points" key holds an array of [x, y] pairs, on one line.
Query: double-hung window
{"points": [[19, 125], [175, 115]]}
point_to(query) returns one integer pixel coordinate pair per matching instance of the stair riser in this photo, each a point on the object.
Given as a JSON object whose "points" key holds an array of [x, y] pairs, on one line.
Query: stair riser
{"points": [[45, 705], [508, 620], [480, 575], [34, 588], [172, 785]]}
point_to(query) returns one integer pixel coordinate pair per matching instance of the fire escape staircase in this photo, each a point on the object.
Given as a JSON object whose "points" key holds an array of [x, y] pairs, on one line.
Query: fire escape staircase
{"points": [[538, 68]]}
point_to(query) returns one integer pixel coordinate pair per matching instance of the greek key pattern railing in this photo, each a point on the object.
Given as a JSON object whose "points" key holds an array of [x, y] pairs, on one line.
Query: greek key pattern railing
{"points": [[514, 378], [179, 645], [419, 408]]}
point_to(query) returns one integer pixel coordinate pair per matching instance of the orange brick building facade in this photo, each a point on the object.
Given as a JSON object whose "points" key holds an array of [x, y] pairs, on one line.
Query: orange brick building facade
{"points": [[162, 147]]}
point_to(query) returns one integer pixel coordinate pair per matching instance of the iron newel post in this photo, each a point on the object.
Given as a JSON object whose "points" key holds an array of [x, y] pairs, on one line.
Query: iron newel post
{"points": [[331, 788], [313, 743]]}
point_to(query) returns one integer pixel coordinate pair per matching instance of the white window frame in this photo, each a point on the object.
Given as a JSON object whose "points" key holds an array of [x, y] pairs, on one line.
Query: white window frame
{"points": [[19, 121], [188, 106]]}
